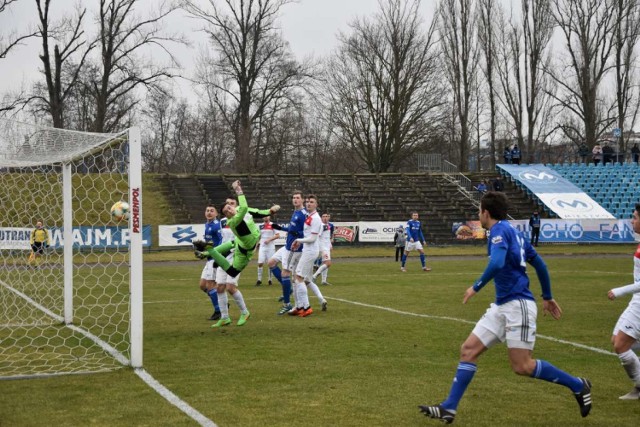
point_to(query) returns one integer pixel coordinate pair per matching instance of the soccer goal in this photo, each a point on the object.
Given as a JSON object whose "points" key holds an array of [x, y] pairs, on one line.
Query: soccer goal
{"points": [[75, 304]]}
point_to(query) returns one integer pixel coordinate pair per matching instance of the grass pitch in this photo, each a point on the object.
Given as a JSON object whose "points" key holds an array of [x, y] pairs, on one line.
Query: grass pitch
{"points": [[388, 342]]}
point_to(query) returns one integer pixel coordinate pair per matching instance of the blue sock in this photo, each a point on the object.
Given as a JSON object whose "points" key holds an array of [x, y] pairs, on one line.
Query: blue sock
{"points": [[463, 377], [286, 289], [276, 273], [404, 259], [213, 295], [546, 371], [423, 260]]}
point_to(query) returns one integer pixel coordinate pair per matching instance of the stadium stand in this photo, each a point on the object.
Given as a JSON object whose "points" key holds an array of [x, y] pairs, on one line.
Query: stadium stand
{"points": [[614, 185]]}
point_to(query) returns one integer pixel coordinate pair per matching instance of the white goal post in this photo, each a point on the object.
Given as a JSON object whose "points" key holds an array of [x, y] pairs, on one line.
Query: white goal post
{"points": [[70, 291]]}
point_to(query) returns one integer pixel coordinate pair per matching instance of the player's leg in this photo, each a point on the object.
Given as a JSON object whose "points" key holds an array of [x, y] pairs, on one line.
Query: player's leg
{"points": [[423, 257], [521, 316], [232, 288], [261, 260], [304, 268], [208, 286], [403, 260], [223, 301], [623, 344], [471, 349]]}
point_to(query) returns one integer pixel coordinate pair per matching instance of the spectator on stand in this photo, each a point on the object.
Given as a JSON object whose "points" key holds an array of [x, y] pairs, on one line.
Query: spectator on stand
{"points": [[596, 154], [498, 185], [507, 155], [515, 155], [607, 153], [583, 152], [635, 153], [482, 188]]}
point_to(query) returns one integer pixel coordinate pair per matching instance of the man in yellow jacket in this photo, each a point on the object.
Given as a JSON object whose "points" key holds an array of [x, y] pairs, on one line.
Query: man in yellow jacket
{"points": [[39, 241]]}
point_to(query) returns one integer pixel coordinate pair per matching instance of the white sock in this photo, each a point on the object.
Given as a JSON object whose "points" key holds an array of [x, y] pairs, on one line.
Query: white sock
{"points": [[270, 276], [302, 296], [237, 296], [320, 270], [316, 290], [260, 273], [223, 302], [631, 365], [325, 273]]}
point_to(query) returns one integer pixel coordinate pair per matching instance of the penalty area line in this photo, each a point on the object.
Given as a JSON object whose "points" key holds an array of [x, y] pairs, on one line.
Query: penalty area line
{"points": [[455, 319]]}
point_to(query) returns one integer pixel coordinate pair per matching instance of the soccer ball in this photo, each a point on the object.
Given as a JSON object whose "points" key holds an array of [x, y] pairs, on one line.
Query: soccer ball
{"points": [[120, 210]]}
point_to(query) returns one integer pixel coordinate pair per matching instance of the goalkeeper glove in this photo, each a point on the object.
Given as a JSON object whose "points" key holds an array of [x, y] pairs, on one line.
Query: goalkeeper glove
{"points": [[200, 254]]}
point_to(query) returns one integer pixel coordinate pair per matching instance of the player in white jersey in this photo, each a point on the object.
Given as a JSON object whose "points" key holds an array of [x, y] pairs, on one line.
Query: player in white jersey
{"points": [[326, 237], [626, 333], [266, 247], [310, 251]]}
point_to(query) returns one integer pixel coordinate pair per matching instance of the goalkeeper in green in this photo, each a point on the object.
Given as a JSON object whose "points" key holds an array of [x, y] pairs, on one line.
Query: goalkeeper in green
{"points": [[246, 232]]}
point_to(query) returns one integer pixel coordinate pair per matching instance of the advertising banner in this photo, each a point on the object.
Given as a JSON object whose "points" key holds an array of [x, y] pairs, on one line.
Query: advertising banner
{"points": [[83, 237], [562, 196], [377, 231], [345, 232], [581, 231], [184, 234], [469, 230]]}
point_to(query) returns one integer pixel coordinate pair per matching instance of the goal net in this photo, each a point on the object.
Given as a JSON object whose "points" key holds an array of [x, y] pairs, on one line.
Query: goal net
{"points": [[74, 304]]}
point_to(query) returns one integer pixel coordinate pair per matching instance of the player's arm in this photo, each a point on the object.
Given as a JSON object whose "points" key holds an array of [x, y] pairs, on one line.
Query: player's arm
{"points": [[421, 235], [280, 227], [496, 263], [408, 231], [633, 288], [33, 237]]}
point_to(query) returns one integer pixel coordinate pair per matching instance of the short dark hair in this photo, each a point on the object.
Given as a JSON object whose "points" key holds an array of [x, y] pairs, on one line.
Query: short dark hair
{"points": [[297, 192], [221, 210], [496, 203], [311, 196], [637, 209]]}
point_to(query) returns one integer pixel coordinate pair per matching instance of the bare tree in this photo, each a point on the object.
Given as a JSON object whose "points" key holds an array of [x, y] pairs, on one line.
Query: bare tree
{"points": [[537, 32], [588, 30], [382, 87], [627, 32], [61, 71], [254, 66], [124, 39], [12, 40], [459, 44], [487, 13]]}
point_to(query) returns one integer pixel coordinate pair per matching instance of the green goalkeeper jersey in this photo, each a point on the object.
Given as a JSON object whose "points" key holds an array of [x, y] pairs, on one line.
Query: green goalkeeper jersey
{"points": [[242, 226]]}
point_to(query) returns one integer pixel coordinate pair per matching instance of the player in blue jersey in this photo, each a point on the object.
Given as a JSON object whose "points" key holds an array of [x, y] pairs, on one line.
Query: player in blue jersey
{"points": [[213, 235], [415, 241], [285, 255], [513, 316]]}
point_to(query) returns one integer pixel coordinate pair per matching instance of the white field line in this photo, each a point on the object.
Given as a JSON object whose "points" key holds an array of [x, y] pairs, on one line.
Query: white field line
{"points": [[141, 373], [455, 319]]}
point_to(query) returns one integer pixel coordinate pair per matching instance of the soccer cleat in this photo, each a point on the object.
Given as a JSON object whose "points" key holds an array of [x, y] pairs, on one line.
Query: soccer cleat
{"points": [[259, 282], [243, 319], [225, 321], [632, 395], [326, 283], [404, 270], [295, 311], [215, 316], [270, 283], [281, 298], [304, 312], [426, 268], [584, 397], [324, 305], [285, 309], [438, 412]]}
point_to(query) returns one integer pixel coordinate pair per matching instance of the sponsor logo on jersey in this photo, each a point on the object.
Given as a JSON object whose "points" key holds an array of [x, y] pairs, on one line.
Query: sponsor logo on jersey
{"points": [[496, 240]]}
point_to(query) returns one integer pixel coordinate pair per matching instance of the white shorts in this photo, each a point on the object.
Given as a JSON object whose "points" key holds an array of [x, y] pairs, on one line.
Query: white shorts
{"points": [[415, 246], [629, 322], [265, 253], [290, 261], [280, 254], [514, 321], [325, 253], [208, 272], [223, 278], [304, 268]]}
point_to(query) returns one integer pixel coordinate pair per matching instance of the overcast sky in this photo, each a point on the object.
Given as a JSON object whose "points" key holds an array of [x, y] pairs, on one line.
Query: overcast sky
{"points": [[310, 26]]}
